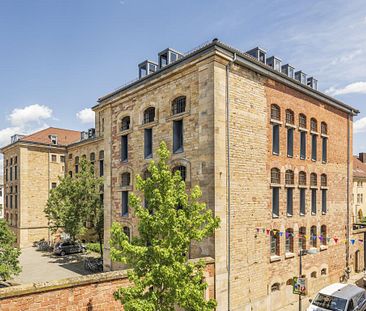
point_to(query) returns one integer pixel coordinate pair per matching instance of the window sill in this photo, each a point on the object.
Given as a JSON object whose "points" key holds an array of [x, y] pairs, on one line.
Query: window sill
{"points": [[177, 116], [313, 160], [314, 187], [275, 153], [313, 214], [324, 162], [314, 133], [276, 122], [289, 186], [302, 214], [275, 258], [324, 135], [324, 213], [323, 247], [275, 216], [290, 125], [301, 129], [275, 185], [324, 188], [303, 158], [302, 186], [289, 215], [290, 156], [179, 151], [289, 255], [126, 132], [148, 125], [148, 157]]}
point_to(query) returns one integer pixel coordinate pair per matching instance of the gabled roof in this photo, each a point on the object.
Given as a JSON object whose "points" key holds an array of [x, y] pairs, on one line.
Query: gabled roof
{"points": [[359, 168], [64, 136]]}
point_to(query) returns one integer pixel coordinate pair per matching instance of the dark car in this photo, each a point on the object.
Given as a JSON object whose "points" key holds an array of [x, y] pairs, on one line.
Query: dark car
{"points": [[68, 247]]}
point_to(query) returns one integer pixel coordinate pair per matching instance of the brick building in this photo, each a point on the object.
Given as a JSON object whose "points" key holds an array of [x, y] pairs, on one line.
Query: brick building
{"points": [[271, 154], [32, 165], [1, 197]]}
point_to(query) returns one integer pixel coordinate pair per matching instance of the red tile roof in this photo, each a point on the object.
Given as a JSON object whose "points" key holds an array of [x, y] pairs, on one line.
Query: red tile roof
{"points": [[359, 168], [64, 137]]}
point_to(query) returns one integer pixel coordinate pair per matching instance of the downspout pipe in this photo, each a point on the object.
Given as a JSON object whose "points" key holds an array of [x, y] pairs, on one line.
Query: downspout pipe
{"points": [[347, 269], [228, 182]]}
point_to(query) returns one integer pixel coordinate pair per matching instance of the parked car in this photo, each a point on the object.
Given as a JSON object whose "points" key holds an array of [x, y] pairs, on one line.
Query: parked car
{"points": [[339, 297], [68, 247]]}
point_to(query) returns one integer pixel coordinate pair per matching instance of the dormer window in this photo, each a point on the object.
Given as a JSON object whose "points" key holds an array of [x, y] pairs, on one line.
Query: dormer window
{"points": [[259, 54], [168, 56], [53, 139], [289, 71], [147, 67], [274, 62], [301, 77]]}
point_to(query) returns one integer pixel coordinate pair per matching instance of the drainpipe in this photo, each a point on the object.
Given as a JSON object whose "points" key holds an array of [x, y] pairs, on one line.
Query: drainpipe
{"points": [[228, 181], [348, 195]]}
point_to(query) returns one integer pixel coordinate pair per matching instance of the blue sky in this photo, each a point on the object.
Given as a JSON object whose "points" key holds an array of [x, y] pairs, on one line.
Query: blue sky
{"points": [[58, 57]]}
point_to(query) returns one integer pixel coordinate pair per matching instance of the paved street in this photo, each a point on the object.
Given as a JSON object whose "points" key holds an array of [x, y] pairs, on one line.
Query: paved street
{"points": [[42, 266]]}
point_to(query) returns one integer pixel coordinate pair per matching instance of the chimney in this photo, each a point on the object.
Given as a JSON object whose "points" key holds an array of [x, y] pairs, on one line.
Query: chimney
{"points": [[362, 157]]}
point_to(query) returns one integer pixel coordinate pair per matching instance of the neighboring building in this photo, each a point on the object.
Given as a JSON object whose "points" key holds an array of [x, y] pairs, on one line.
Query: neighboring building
{"points": [[32, 165], [1, 197], [268, 150], [359, 188]]}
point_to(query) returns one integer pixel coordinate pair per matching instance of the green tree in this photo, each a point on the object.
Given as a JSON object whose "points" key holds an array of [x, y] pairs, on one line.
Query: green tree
{"points": [[161, 274], [75, 201], [9, 262]]}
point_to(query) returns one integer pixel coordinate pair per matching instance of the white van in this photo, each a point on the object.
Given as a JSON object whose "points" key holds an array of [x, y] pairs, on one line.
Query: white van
{"points": [[339, 297]]}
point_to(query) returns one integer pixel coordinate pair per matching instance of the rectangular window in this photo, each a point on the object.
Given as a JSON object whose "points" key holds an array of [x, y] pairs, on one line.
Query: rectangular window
{"points": [[302, 145], [16, 201], [290, 192], [124, 148], [324, 149], [6, 175], [313, 147], [62, 159], [276, 139], [148, 143], [313, 201], [76, 168], [101, 168], [124, 203], [15, 172], [11, 201], [178, 136], [53, 158], [274, 245], [302, 202], [290, 142], [275, 202], [53, 185], [11, 173], [324, 201]]}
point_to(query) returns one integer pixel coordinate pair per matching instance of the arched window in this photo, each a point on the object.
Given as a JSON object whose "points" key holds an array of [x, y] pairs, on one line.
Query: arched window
{"points": [[323, 234], [302, 238], [290, 117], [125, 123], [179, 105], [76, 165], [275, 244], [302, 178], [125, 179], [324, 128], [302, 120], [323, 271], [289, 177], [313, 180], [289, 247], [92, 157], [76, 160], [323, 180], [313, 125], [313, 275], [101, 155], [313, 236], [275, 287], [127, 231], [149, 115], [275, 176], [275, 112], [183, 171]]}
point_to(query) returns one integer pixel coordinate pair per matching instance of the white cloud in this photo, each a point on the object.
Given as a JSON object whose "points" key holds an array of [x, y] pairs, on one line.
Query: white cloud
{"points": [[356, 87], [86, 115], [359, 125], [34, 113], [6, 133], [346, 58]]}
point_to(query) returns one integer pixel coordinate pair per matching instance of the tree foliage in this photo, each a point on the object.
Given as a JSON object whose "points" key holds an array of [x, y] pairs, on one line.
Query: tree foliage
{"points": [[9, 254], [161, 274], [77, 200]]}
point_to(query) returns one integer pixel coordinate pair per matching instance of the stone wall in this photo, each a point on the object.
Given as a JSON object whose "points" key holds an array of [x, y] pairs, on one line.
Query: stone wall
{"points": [[90, 292]]}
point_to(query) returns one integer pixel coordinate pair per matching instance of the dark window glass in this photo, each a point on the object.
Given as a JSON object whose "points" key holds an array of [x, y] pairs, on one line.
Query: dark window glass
{"points": [[289, 246], [290, 192], [179, 105], [323, 234], [302, 121], [275, 112], [275, 244], [302, 239], [178, 136], [183, 171], [92, 157], [324, 128], [313, 236], [126, 179], [313, 201], [302, 201], [124, 148], [149, 115], [124, 203], [275, 202], [127, 231], [313, 180], [313, 125], [148, 143], [302, 178], [323, 180], [125, 123], [275, 176], [290, 118], [289, 177], [313, 147], [15, 172], [11, 173], [290, 142], [276, 139], [101, 168], [324, 201], [324, 149]]}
